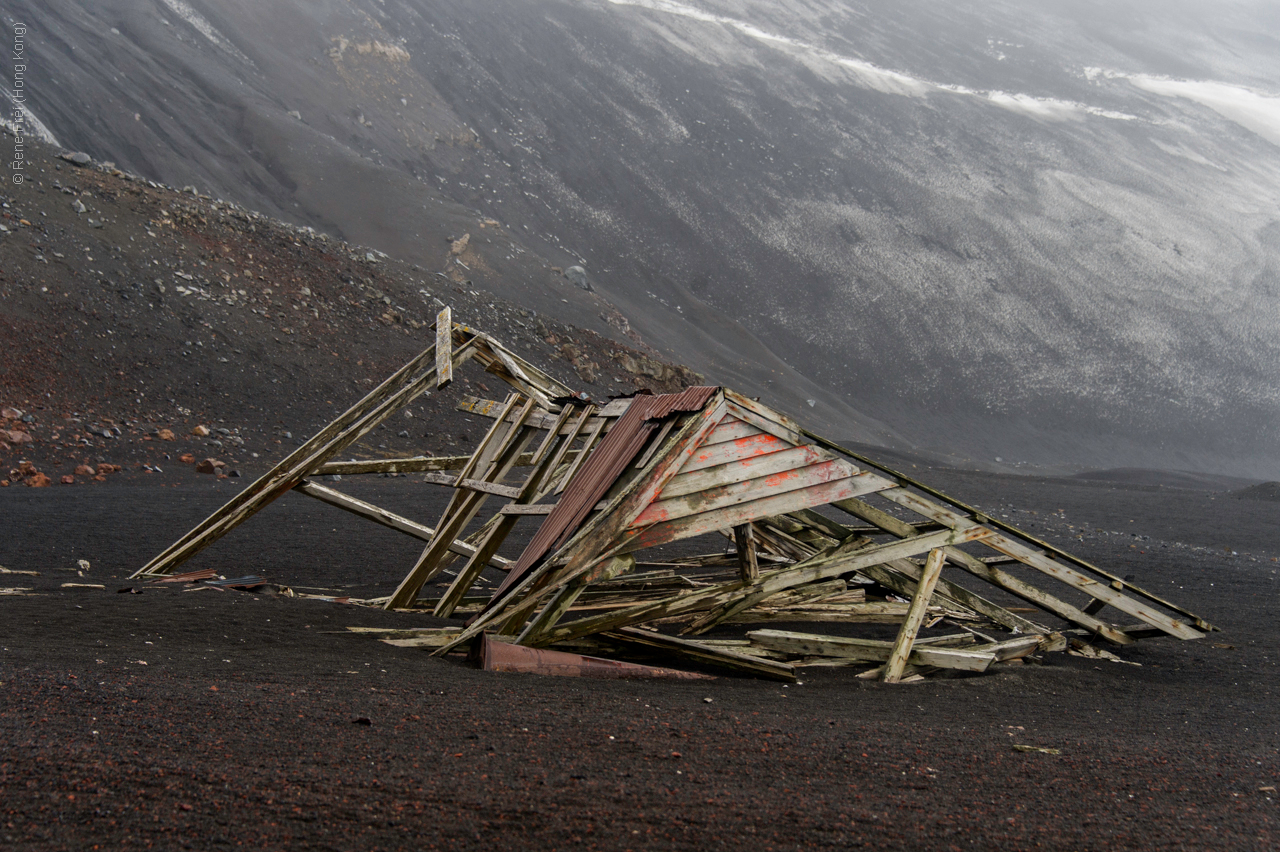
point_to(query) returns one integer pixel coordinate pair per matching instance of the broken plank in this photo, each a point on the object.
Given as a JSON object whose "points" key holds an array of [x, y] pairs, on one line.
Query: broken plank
{"points": [[869, 650], [696, 651], [915, 616], [521, 509]]}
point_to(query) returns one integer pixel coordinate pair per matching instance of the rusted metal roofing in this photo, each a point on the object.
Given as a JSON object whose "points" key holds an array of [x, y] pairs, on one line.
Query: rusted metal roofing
{"points": [[592, 481]]}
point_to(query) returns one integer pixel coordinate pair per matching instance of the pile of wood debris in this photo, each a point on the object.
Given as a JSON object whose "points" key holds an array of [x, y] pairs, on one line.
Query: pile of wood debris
{"points": [[800, 529]]}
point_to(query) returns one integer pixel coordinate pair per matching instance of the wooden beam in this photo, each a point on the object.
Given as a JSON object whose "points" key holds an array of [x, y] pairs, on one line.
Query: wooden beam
{"points": [[400, 389], [722, 658], [745, 541], [444, 347], [1037, 560], [915, 616], [903, 479], [387, 519], [457, 517], [869, 650]]}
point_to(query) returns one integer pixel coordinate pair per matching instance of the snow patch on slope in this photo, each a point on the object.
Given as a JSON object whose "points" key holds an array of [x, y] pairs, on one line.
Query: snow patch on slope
{"points": [[19, 119], [201, 25], [885, 80]]}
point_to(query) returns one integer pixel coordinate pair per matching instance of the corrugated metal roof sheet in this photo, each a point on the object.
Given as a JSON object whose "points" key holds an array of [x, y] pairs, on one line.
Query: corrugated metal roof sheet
{"points": [[606, 463]]}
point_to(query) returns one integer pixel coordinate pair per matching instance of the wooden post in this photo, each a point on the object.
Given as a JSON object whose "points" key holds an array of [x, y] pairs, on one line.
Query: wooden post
{"points": [[748, 566], [444, 347], [915, 616]]}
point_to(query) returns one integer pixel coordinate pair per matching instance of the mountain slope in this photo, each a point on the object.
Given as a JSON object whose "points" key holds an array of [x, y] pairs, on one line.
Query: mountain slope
{"points": [[1043, 233]]}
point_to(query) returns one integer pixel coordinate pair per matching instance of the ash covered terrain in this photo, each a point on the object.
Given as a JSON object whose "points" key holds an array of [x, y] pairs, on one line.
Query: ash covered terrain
{"points": [[1039, 234]]}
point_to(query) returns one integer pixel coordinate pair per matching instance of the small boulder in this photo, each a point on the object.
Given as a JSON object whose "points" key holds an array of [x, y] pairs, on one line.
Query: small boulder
{"points": [[201, 431], [210, 466], [187, 458], [79, 158], [38, 480], [85, 470], [165, 435], [13, 436], [106, 467], [578, 277], [69, 479], [11, 413]]}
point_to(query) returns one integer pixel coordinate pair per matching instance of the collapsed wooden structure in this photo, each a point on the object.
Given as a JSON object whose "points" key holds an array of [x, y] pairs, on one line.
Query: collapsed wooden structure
{"points": [[815, 532]]}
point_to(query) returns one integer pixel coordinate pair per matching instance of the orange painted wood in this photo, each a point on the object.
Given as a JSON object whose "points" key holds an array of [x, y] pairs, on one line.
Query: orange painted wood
{"points": [[742, 448]]}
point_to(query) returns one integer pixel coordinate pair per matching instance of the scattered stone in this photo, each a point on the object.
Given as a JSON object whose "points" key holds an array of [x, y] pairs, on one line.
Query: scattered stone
{"points": [[202, 431], [85, 470], [13, 436], [38, 480], [106, 467], [69, 479], [187, 458], [578, 277], [11, 413], [210, 466], [78, 206], [458, 246], [82, 564], [165, 435], [79, 158], [233, 474]]}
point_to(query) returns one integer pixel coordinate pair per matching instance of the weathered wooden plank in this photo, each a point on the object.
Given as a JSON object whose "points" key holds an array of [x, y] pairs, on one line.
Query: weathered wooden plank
{"points": [[444, 346], [385, 518], [748, 564], [587, 545], [535, 509], [766, 418], [915, 617], [1012, 649], [1012, 530], [890, 574], [698, 652], [1098, 590], [731, 429], [564, 598], [397, 391], [452, 481], [776, 504], [598, 426], [995, 576], [412, 464], [457, 517], [731, 494], [754, 467], [730, 451], [841, 561], [869, 650], [1057, 570], [502, 524], [542, 419], [1031, 594]]}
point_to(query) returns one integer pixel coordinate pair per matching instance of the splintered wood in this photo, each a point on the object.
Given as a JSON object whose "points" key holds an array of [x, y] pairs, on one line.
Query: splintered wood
{"points": [[664, 524]]}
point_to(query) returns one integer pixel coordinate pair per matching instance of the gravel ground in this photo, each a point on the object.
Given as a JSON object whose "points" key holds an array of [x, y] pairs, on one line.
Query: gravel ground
{"points": [[209, 719]]}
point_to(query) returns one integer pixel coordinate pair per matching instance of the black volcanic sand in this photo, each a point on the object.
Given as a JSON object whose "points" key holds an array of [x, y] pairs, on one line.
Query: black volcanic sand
{"points": [[174, 719]]}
